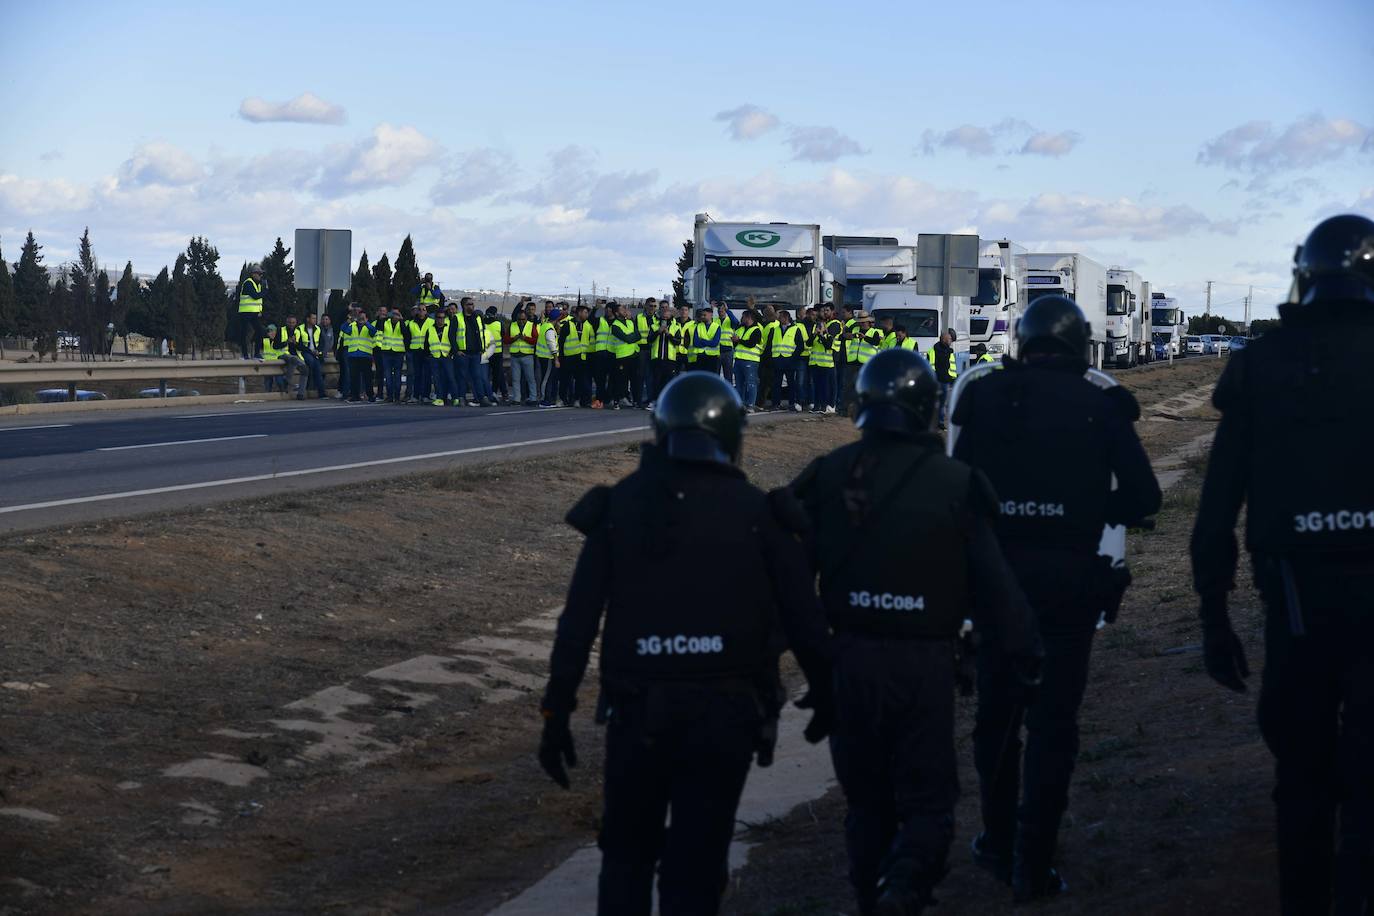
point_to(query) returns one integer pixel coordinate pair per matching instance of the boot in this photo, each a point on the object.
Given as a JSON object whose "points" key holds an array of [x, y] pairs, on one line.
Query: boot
{"points": [[1032, 875], [993, 857], [905, 889]]}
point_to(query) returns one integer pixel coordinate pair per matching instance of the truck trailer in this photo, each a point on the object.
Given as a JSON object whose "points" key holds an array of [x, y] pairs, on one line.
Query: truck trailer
{"points": [[871, 261], [1078, 278], [779, 264]]}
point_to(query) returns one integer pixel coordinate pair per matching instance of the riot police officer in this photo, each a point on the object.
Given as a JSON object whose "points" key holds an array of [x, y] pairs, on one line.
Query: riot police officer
{"points": [[688, 670], [1050, 442], [1296, 433], [905, 550]]}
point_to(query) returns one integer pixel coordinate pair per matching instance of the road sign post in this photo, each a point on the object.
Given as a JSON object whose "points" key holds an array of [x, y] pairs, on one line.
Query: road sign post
{"points": [[947, 266], [323, 261]]}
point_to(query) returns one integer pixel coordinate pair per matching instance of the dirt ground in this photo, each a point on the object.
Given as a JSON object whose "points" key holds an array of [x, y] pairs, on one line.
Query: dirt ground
{"points": [[327, 702], [233, 644], [1169, 809]]}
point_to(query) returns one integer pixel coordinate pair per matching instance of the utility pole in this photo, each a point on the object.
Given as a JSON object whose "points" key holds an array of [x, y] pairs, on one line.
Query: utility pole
{"points": [[1208, 309], [1249, 298], [506, 294]]}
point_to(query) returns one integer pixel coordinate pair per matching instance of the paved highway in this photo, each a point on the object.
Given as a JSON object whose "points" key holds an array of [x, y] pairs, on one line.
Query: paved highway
{"points": [[64, 468]]}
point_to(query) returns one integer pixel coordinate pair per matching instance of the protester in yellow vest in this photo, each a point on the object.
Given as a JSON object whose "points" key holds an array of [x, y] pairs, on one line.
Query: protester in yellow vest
{"points": [[250, 311], [748, 352]]}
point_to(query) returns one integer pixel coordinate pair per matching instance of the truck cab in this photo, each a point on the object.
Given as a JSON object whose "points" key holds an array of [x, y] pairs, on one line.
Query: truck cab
{"points": [[920, 315], [1168, 326], [778, 264], [995, 310], [871, 261], [1124, 308]]}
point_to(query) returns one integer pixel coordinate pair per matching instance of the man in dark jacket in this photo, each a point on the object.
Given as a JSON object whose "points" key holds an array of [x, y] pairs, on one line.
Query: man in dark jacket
{"points": [[906, 550], [1050, 442], [684, 671], [1293, 446]]}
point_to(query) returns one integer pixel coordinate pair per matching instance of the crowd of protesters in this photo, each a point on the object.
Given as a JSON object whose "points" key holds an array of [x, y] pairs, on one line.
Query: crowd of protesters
{"points": [[603, 355]]}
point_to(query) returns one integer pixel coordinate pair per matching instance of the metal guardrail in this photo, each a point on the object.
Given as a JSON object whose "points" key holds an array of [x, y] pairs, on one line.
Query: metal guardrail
{"points": [[70, 375], [137, 370]]}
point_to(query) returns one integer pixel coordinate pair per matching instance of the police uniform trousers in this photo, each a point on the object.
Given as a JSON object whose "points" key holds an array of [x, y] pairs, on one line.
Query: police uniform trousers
{"points": [[1316, 713], [1057, 585], [893, 751], [680, 750]]}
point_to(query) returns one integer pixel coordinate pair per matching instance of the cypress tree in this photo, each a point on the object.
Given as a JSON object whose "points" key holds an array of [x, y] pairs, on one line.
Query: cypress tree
{"points": [[381, 279], [406, 277], [364, 290], [185, 308], [279, 278], [101, 314], [9, 318], [30, 288], [202, 264], [158, 308], [125, 301], [45, 330], [683, 262]]}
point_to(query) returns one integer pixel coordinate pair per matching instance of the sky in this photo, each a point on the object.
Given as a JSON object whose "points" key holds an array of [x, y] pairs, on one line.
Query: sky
{"points": [[1188, 141]]}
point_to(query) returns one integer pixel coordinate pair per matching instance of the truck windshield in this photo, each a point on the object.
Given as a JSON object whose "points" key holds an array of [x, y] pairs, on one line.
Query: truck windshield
{"points": [[1037, 293], [1163, 317], [779, 289], [989, 287], [918, 322], [1117, 300]]}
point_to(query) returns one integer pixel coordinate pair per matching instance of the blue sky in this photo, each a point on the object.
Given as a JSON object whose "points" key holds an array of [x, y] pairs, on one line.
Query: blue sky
{"points": [[1190, 141]]}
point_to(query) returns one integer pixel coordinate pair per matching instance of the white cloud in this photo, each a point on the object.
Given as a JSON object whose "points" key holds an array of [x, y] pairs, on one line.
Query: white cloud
{"points": [[574, 181], [1077, 217], [39, 196], [973, 140], [160, 163], [306, 108], [473, 175], [1257, 146], [821, 144], [390, 156], [1044, 143], [748, 122]]}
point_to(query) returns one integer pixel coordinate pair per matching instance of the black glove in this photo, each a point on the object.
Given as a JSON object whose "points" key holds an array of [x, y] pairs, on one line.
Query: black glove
{"points": [[822, 716], [556, 746], [1222, 653]]}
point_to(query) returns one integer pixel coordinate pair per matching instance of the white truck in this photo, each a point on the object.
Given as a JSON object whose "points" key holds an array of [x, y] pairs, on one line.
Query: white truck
{"points": [[1078, 278], [871, 261], [1126, 298], [1168, 326], [993, 313], [778, 264], [922, 316]]}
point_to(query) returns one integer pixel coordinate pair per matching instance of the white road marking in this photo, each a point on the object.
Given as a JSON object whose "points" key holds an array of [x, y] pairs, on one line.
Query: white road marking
{"points": [[125, 448], [18, 429], [245, 413], [258, 478]]}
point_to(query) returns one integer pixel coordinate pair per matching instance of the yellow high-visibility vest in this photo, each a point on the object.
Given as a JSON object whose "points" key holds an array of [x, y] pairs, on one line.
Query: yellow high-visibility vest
{"points": [[250, 297]]}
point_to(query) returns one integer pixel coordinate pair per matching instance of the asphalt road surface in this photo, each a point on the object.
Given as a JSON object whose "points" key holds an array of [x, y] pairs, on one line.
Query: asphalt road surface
{"points": [[64, 469]]}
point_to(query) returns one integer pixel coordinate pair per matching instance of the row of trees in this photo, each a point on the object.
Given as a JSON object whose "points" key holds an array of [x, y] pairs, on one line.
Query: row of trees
{"points": [[188, 303]]}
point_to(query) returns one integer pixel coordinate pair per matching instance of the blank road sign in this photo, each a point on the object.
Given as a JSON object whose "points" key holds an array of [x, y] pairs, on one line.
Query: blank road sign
{"points": [[938, 254], [331, 249]]}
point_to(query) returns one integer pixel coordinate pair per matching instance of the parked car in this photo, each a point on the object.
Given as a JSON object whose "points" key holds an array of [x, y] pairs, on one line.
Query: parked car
{"points": [[171, 393], [66, 340], [1194, 345], [57, 395], [1215, 344], [1239, 343]]}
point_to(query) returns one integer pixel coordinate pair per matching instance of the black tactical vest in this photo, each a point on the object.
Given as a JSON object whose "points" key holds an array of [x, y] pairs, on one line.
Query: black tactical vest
{"points": [[891, 538], [1309, 398], [1042, 438], [690, 595]]}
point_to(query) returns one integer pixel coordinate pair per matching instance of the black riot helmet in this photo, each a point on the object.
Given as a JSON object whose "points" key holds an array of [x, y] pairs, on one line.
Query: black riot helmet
{"points": [[897, 393], [1336, 263], [1053, 324], [698, 417]]}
